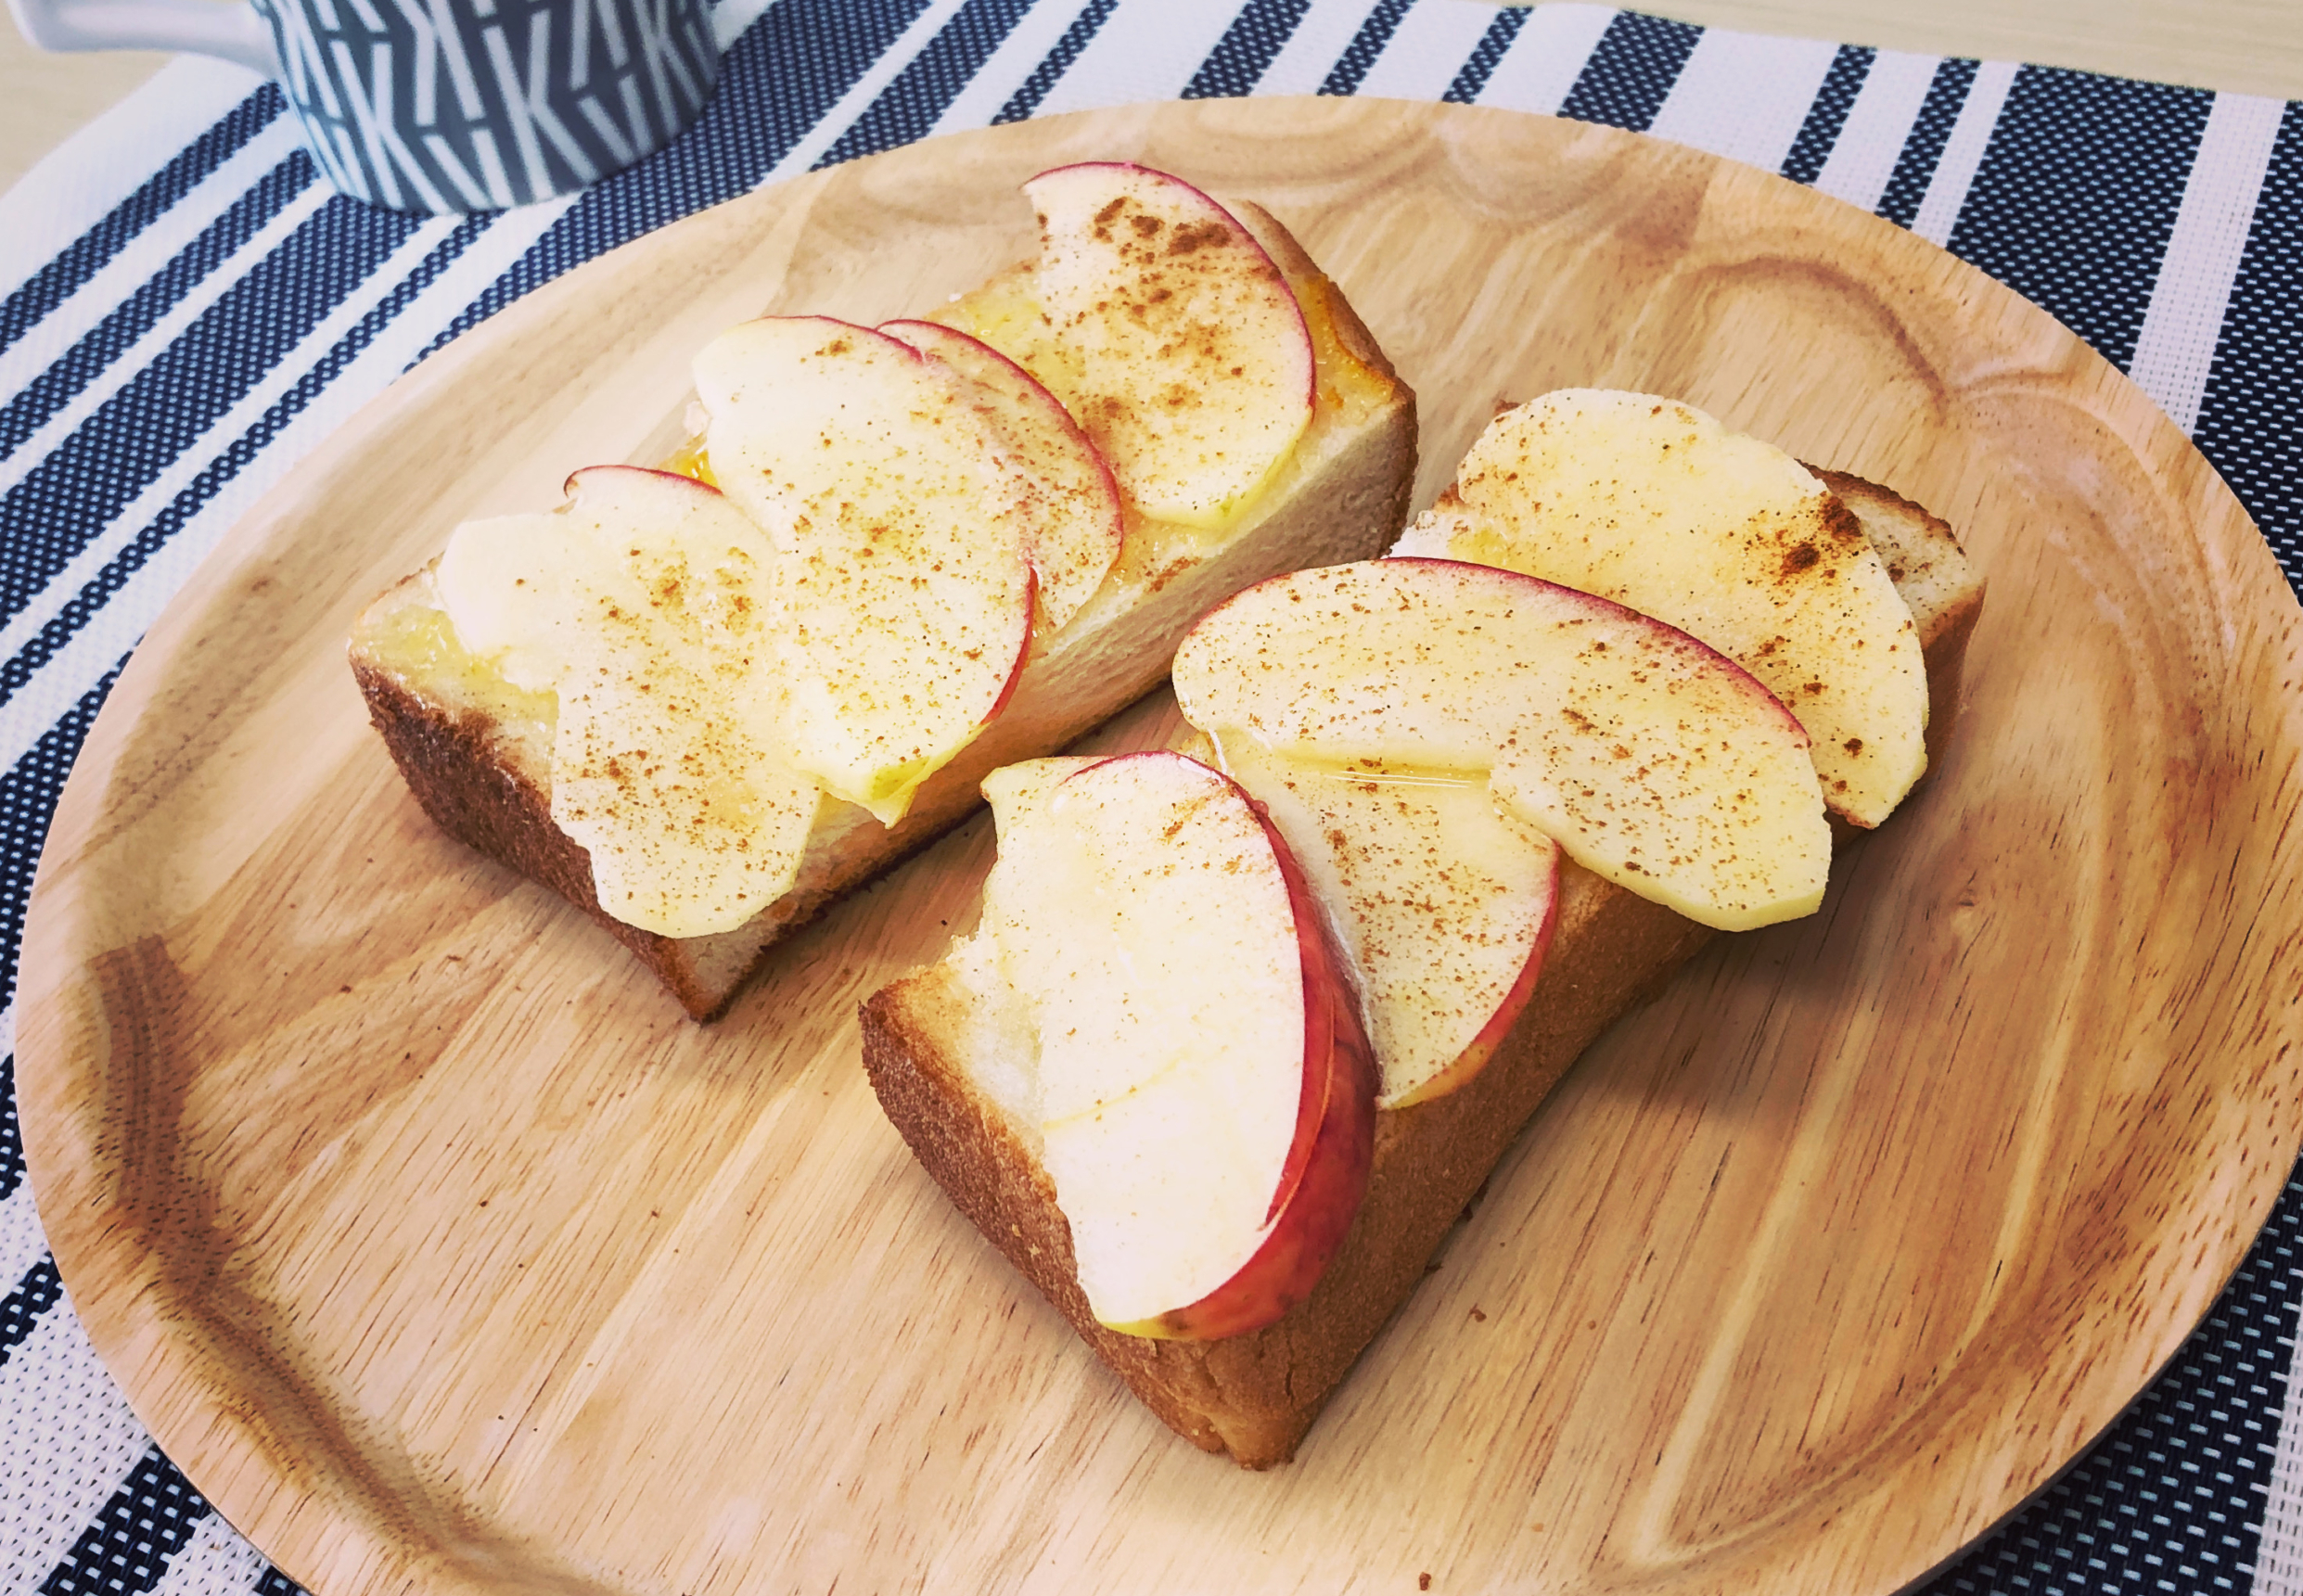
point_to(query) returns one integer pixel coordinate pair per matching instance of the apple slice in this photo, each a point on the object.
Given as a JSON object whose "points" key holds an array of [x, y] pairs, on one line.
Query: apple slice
{"points": [[1444, 904], [1655, 505], [902, 602], [1655, 761], [1185, 354], [640, 603], [1205, 1090], [1075, 524]]}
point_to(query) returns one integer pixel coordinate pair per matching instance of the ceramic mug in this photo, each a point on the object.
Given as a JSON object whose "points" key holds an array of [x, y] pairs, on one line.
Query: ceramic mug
{"points": [[440, 106]]}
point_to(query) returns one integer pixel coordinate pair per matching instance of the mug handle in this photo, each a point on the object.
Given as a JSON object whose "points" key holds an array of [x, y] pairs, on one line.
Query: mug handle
{"points": [[206, 27]]}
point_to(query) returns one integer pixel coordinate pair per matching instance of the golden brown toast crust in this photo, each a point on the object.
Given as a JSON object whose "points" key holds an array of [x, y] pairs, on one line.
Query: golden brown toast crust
{"points": [[452, 764], [1256, 1395]]}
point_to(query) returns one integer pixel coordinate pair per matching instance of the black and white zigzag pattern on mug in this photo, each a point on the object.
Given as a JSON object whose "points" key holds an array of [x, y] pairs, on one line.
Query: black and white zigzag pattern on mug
{"points": [[474, 105]]}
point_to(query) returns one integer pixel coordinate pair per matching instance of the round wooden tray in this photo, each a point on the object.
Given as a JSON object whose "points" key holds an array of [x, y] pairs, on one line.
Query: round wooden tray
{"points": [[442, 1252]]}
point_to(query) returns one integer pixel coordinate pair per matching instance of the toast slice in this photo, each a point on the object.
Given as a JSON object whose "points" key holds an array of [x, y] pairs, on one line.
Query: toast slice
{"points": [[944, 1051], [477, 751]]}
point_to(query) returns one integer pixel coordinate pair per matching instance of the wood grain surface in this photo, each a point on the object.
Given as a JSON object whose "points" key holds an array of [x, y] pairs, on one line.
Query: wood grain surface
{"points": [[442, 1253]]}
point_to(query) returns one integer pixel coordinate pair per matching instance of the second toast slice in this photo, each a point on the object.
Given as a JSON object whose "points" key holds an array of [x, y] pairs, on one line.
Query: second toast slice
{"points": [[940, 1046]]}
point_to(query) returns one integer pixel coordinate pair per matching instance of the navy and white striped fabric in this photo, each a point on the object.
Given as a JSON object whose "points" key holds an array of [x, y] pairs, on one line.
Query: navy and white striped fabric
{"points": [[186, 310]]}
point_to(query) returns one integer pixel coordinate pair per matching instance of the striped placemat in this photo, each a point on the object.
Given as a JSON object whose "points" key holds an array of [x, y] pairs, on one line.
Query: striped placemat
{"points": [[186, 310]]}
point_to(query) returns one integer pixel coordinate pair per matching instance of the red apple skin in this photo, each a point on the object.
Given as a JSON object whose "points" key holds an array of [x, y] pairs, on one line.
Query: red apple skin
{"points": [[1312, 390], [835, 323], [1474, 1059], [832, 325], [1327, 1170], [926, 337], [1686, 642], [1469, 573], [576, 478], [1023, 655], [915, 332], [1031, 573]]}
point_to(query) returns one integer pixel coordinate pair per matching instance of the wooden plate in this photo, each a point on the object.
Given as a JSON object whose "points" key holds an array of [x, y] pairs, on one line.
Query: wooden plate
{"points": [[442, 1253]]}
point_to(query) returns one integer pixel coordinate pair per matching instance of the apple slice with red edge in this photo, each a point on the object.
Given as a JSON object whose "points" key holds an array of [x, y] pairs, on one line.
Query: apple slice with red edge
{"points": [[1655, 761], [1444, 903], [1656, 505], [1184, 354], [902, 602], [1076, 523], [641, 603], [1206, 1088]]}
